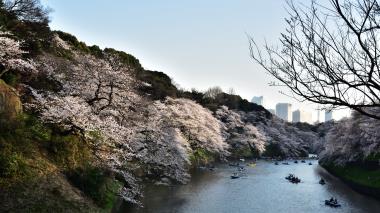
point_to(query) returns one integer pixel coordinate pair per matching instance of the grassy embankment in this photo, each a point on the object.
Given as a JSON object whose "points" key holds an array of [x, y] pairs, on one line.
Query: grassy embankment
{"points": [[363, 177], [42, 168]]}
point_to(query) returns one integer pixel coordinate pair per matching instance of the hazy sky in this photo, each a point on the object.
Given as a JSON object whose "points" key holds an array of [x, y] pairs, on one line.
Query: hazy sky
{"points": [[199, 43]]}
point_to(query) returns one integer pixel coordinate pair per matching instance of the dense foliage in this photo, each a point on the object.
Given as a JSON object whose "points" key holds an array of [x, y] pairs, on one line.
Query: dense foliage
{"points": [[351, 140], [100, 99], [272, 137]]}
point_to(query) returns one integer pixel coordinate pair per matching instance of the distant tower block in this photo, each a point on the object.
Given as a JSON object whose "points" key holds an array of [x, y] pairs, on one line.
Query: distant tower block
{"points": [[284, 111], [302, 116], [328, 115], [259, 100]]}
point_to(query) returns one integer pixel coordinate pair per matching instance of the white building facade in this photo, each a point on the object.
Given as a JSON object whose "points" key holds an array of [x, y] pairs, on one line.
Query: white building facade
{"points": [[259, 100], [284, 111], [302, 116], [328, 115]]}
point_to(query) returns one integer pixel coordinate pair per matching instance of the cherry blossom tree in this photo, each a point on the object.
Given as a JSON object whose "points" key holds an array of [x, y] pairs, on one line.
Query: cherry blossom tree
{"points": [[292, 141], [352, 139], [11, 55], [170, 132], [198, 124], [260, 131], [97, 99], [239, 134]]}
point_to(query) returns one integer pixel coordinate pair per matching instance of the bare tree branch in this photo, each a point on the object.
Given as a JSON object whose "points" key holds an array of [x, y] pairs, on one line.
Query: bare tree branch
{"points": [[329, 54]]}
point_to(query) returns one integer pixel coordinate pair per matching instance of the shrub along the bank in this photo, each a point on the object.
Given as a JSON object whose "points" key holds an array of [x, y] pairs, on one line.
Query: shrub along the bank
{"points": [[97, 184], [273, 150], [201, 157], [357, 176]]}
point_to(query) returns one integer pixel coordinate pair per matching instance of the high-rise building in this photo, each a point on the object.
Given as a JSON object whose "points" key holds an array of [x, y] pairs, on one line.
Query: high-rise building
{"points": [[259, 100], [319, 116], [302, 116], [328, 115], [284, 111]]}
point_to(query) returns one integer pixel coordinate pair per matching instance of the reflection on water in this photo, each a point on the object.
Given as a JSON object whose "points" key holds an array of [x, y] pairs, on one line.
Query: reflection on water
{"points": [[262, 189]]}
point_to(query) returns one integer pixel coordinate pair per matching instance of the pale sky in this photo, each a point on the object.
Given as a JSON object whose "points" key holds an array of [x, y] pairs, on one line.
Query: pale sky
{"points": [[199, 43]]}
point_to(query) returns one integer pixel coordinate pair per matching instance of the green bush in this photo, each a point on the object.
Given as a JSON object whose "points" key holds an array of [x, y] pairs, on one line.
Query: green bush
{"points": [[11, 78], [12, 165], [68, 151], [242, 152], [28, 138], [97, 184], [161, 85], [201, 157], [96, 51], [125, 58], [356, 174], [373, 157], [18, 144], [273, 150], [73, 41]]}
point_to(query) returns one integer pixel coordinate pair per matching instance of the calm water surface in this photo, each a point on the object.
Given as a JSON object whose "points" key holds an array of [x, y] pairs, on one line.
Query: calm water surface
{"points": [[262, 189]]}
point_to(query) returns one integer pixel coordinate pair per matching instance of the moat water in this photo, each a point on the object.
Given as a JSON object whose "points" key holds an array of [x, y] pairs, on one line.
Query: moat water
{"points": [[260, 189]]}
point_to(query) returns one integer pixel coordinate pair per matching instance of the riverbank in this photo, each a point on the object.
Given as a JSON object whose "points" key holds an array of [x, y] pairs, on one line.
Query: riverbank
{"points": [[358, 178]]}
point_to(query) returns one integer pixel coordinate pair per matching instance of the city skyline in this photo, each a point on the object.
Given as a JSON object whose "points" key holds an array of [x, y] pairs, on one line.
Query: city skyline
{"points": [[316, 115], [312, 116]]}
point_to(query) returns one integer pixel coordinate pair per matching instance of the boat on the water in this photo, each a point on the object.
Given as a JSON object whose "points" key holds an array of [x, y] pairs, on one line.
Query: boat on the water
{"points": [[332, 203], [289, 176], [292, 178], [322, 181], [235, 176]]}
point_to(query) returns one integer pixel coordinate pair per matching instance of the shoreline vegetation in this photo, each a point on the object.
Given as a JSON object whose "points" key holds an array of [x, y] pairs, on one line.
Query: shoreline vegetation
{"points": [[358, 178]]}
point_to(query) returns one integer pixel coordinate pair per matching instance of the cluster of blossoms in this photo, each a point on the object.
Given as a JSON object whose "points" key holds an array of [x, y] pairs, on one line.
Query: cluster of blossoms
{"points": [[352, 139], [239, 134], [11, 55], [252, 129], [172, 130], [94, 99]]}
